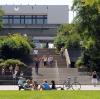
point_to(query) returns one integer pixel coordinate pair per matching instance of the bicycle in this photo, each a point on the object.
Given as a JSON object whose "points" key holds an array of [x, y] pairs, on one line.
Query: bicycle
{"points": [[75, 85]]}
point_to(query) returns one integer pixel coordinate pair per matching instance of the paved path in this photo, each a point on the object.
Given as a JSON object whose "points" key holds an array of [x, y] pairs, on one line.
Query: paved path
{"points": [[83, 87]]}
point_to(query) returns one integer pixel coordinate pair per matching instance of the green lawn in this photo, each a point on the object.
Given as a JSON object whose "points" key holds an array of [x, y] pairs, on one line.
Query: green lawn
{"points": [[61, 94]]}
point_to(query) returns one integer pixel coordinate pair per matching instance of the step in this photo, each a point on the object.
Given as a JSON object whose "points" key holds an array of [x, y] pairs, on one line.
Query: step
{"points": [[57, 74]]}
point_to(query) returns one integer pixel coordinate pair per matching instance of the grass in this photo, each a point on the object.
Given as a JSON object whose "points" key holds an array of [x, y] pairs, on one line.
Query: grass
{"points": [[61, 94]]}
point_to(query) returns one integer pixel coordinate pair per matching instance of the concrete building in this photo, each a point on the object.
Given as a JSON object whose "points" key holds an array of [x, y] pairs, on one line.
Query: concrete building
{"points": [[37, 21]]}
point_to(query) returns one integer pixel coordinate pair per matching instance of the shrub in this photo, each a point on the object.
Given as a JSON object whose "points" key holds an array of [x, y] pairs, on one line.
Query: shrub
{"points": [[15, 46], [13, 62], [79, 62], [1, 60]]}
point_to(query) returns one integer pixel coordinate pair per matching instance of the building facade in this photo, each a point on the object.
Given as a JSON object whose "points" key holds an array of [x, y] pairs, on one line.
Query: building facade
{"points": [[38, 21]]}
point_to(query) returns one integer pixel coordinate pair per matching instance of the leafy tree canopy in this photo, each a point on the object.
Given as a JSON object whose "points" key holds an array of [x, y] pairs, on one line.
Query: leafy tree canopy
{"points": [[67, 37], [1, 14], [88, 26], [14, 46]]}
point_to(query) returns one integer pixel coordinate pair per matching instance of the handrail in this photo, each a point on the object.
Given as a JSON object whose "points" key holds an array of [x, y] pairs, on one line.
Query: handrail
{"points": [[67, 57]]}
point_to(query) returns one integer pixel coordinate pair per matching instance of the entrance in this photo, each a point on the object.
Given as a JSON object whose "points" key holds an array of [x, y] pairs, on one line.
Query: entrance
{"points": [[43, 42]]}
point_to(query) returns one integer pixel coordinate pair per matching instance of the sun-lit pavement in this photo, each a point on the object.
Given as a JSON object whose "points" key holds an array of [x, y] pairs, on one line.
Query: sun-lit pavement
{"points": [[83, 87]]}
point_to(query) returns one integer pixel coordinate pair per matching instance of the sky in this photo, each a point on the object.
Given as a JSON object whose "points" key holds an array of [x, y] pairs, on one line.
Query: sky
{"points": [[39, 2]]}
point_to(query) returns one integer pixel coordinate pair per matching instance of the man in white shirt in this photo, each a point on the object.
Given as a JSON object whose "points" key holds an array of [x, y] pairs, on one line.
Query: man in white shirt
{"points": [[35, 52], [50, 60]]}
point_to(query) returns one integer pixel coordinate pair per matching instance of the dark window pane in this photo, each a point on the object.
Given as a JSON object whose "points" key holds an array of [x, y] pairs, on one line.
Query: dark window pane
{"points": [[45, 21], [45, 16], [16, 19], [34, 21], [22, 16], [39, 21], [34, 16], [28, 17], [28, 21], [39, 17], [25, 19], [22, 21], [5, 21], [10, 21], [10, 16], [5, 17]]}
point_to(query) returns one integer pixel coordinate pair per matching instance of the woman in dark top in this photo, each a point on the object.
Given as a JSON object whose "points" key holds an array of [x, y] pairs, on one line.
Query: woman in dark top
{"points": [[94, 78], [53, 86]]}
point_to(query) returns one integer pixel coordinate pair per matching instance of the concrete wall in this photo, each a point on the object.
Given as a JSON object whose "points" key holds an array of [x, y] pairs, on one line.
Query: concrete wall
{"points": [[56, 14], [29, 31], [24, 9]]}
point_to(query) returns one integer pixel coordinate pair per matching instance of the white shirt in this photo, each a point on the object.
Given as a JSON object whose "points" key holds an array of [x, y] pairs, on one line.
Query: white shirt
{"points": [[35, 52]]}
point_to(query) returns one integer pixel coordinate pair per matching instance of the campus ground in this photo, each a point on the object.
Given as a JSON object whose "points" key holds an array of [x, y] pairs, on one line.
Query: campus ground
{"points": [[83, 87], [61, 94]]}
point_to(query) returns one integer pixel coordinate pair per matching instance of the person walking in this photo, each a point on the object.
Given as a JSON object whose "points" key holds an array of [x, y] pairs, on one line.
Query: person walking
{"points": [[62, 52], [50, 60], [45, 59], [94, 78], [35, 52], [36, 65]]}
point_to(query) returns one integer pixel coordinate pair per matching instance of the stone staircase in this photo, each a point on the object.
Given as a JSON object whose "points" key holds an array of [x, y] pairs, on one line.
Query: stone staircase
{"points": [[59, 72], [60, 75], [61, 62]]}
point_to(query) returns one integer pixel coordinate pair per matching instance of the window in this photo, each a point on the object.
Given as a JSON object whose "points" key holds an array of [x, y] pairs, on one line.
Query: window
{"points": [[10, 19], [39, 19], [45, 19], [22, 19], [5, 20], [16, 19], [25, 19], [34, 19], [28, 19]]}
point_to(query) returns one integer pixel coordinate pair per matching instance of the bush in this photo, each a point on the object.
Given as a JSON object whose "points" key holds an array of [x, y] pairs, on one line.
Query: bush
{"points": [[67, 37], [12, 62], [79, 63], [1, 60], [15, 46]]}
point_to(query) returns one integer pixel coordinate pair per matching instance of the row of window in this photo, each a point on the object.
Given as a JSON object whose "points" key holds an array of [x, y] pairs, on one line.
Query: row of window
{"points": [[25, 19]]}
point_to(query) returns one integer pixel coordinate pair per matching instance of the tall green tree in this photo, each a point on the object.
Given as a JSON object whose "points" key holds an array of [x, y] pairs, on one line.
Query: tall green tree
{"points": [[67, 37], [88, 25], [1, 14], [14, 46]]}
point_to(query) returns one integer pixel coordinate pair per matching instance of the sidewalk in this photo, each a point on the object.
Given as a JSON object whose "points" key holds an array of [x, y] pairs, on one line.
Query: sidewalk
{"points": [[83, 87]]}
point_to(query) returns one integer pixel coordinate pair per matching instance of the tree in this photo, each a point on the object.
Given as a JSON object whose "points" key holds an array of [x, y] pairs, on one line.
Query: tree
{"points": [[14, 46], [1, 14], [67, 37], [88, 26], [91, 3]]}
